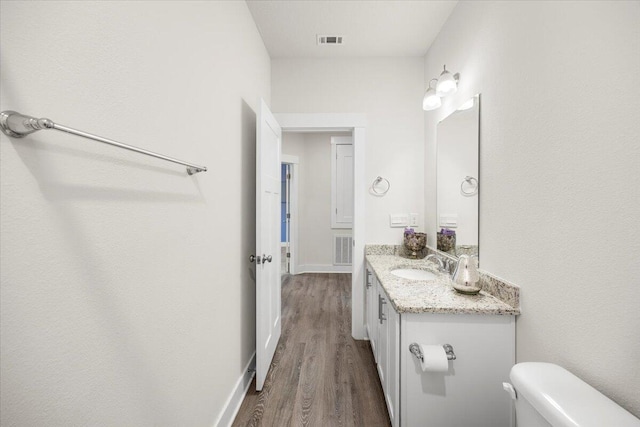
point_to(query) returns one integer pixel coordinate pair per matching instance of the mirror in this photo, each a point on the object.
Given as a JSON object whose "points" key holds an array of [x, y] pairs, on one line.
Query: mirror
{"points": [[457, 167]]}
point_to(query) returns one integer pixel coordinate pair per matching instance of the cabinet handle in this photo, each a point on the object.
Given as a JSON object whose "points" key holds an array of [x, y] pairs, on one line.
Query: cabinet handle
{"points": [[381, 315], [368, 280]]}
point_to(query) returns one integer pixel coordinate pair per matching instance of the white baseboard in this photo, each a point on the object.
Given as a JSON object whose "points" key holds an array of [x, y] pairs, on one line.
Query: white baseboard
{"points": [[323, 268], [232, 405]]}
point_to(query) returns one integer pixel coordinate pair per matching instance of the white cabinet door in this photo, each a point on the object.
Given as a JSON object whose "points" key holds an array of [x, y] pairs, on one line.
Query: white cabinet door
{"points": [[372, 312], [383, 347], [388, 355], [392, 391]]}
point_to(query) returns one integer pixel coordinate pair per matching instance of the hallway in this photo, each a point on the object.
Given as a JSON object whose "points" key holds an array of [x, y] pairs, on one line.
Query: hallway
{"points": [[320, 375]]}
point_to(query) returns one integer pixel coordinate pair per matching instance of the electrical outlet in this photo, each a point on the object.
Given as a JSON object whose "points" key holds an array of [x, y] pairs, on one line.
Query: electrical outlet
{"points": [[413, 219]]}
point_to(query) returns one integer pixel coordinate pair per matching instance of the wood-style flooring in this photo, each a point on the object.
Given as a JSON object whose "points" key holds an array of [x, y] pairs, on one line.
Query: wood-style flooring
{"points": [[320, 375]]}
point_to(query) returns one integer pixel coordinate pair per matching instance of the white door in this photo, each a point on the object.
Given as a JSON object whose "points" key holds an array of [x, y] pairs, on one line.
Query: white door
{"points": [[268, 326]]}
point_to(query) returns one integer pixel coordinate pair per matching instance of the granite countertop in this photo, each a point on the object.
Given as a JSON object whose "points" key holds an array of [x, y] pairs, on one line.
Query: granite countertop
{"points": [[430, 296]]}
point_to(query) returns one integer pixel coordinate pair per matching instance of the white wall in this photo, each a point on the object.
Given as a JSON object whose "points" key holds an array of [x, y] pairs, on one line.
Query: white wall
{"points": [[315, 235], [559, 165], [126, 296], [389, 91]]}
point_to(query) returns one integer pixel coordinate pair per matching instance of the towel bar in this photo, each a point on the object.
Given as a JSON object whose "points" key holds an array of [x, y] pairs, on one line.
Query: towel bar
{"points": [[17, 125]]}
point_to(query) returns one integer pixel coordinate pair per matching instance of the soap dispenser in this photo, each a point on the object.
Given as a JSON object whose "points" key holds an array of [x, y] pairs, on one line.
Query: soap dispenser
{"points": [[466, 277]]}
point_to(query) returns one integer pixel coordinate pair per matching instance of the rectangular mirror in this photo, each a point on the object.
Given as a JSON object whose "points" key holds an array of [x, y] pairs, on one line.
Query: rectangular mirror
{"points": [[458, 164]]}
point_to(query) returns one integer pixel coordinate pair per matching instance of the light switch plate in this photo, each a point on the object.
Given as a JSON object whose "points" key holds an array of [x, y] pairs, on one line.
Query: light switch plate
{"points": [[413, 219], [398, 220]]}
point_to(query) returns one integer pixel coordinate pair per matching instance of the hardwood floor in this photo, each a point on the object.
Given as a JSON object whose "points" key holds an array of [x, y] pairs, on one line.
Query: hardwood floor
{"points": [[320, 375]]}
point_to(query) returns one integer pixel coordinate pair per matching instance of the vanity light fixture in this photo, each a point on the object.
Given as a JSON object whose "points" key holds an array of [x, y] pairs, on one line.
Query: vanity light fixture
{"points": [[446, 84], [431, 100]]}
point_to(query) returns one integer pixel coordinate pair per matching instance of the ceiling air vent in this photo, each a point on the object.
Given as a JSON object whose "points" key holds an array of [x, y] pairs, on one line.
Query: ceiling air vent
{"points": [[328, 39]]}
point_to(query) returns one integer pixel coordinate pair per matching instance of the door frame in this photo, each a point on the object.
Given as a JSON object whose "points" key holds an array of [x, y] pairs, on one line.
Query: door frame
{"points": [[356, 124], [294, 161]]}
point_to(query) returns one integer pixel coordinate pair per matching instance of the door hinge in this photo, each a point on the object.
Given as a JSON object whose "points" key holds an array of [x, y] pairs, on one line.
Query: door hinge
{"points": [[288, 255], [288, 176], [288, 216]]}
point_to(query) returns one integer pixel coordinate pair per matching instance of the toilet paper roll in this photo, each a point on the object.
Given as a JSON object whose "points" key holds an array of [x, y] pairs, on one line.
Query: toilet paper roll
{"points": [[434, 358]]}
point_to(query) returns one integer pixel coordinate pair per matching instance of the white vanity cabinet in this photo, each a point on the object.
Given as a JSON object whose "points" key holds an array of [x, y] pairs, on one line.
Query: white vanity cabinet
{"points": [[383, 329], [470, 393]]}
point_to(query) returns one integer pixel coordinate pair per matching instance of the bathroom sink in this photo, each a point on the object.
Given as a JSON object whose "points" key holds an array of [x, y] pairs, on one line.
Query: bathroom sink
{"points": [[413, 274]]}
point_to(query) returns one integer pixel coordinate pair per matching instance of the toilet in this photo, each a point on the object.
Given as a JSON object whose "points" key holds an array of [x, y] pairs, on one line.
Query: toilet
{"points": [[548, 395]]}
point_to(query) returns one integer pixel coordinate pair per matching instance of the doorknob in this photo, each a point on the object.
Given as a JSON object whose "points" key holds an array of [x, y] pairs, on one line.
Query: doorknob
{"points": [[253, 258], [266, 258]]}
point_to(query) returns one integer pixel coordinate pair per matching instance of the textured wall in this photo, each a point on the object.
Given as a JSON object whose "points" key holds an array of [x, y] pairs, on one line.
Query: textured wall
{"points": [[126, 297], [389, 91], [558, 171]]}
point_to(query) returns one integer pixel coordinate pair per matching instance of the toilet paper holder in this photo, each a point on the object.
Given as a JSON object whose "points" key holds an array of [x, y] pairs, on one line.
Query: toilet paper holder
{"points": [[417, 352]]}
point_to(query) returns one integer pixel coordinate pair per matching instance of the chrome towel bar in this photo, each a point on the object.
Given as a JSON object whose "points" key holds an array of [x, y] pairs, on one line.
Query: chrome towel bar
{"points": [[18, 125], [417, 352]]}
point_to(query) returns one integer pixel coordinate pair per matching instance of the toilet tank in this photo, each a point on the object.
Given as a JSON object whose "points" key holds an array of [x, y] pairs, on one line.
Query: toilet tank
{"points": [[549, 395]]}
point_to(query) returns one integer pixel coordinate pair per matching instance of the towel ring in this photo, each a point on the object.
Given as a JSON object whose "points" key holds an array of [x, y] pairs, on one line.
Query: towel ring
{"points": [[470, 180], [377, 181]]}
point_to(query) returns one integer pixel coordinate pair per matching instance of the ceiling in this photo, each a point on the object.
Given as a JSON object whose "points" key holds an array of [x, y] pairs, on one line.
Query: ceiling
{"points": [[370, 28]]}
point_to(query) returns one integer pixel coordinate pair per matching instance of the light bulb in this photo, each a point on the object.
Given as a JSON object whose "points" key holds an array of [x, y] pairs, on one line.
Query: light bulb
{"points": [[431, 101], [447, 84]]}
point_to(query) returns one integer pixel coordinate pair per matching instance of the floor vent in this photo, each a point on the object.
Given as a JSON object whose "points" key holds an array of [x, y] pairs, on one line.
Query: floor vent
{"points": [[328, 39], [342, 250]]}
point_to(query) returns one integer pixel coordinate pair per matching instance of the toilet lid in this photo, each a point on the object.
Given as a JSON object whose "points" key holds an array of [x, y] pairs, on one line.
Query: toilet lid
{"points": [[564, 400]]}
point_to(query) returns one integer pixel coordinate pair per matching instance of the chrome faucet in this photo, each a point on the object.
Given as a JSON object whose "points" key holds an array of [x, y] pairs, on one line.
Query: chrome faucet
{"points": [[437, 259], [450, 266]]}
